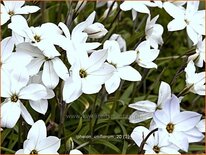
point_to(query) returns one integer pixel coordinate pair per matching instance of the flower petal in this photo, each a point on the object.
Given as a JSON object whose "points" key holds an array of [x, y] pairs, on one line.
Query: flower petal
{"points": [[186, 120], [146, 106], [48, 145], [112, 84], [60, 68], [164, 93], [176, 24], [33, 92], [10, 113], [37, 133], [129, 73], [40, 106], [26, 115], [49, 76], [71, 90], [140, 116]]}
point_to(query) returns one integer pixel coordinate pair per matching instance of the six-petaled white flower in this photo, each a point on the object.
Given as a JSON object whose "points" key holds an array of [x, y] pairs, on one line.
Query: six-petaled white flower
{"points": [[120, 61], [176, 125], [10, 8], [37, 141], [195, 82], [189, 18], [145, 109]]}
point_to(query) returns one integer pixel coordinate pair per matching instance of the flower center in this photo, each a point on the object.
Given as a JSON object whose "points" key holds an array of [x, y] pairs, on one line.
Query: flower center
{"points": [[14, 98], [170, 127], [156, 149], [82, 73], [37, 38], [33, 152], [11, 13], [113, 64]]}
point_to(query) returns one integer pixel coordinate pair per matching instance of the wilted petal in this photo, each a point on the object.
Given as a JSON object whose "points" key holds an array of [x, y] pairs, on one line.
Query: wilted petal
{"points": [[140, 116]]}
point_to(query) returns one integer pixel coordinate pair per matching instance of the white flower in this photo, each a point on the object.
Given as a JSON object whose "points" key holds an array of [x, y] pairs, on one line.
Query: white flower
{"points": [[155, 144], [53, 67], [121, 41], [139, 6], [15, 88], [75, 151], [10, 59], [87, 75], [153, 32], [177, 125], [189, 18], [10, 8], [195, 81], [77, 40], [40, 106], [37, 141], [120, 61], [145, 55], [201, 125], [145, 109], [96, 30], [44, 37], [199, 56]]}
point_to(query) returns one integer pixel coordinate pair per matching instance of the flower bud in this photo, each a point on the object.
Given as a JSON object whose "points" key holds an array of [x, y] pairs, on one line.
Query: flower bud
{"points": [[96, 30]]}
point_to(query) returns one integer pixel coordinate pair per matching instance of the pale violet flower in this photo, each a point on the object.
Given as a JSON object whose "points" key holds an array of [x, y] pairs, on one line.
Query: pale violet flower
{"points": [[87, 75], [120, 61], [199, 56], [10, 8], [154, 32], [189, 18], [176, 125], [195, 82], [37, 141], [44, 37], [155, 144], [146, 55], [14, 89], [145, 109], [120, 40], [53, 67], [168, 4]]}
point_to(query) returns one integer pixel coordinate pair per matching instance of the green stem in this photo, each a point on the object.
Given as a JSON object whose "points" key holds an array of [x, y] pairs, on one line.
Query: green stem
{"points": [[7, 150]]}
